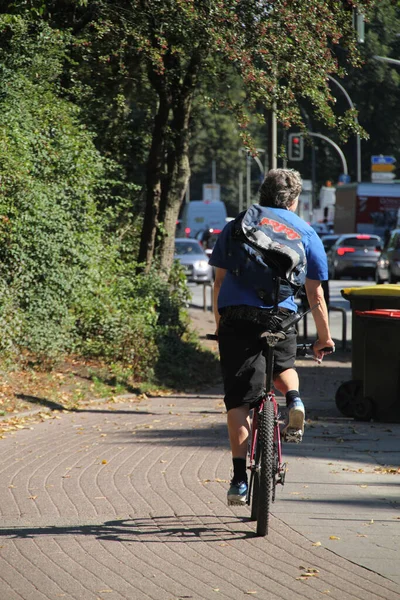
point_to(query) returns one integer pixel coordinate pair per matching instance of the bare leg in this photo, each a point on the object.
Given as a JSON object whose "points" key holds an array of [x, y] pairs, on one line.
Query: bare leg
{"points": [[293, 431], [238, 430], [287, 380]]}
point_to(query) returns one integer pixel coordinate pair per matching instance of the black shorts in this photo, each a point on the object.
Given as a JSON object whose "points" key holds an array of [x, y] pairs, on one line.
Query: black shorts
{"points": [[243, 364]]}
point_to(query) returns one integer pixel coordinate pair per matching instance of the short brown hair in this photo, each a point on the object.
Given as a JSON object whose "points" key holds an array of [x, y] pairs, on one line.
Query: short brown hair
{"points": [[280, 188]]}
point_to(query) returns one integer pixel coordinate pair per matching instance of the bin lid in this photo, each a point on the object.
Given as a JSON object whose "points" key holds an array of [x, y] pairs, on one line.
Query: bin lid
{"points": [[386, 313], [388, 289]]}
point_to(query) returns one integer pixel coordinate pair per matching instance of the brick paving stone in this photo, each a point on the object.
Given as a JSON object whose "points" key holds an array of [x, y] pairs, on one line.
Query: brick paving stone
{"points": [[131, 504]]}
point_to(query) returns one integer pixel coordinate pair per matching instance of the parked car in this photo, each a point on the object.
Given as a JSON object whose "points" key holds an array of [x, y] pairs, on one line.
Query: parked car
{"points": [[329, 240], [194, 260], [354, 254], [323, 228], [388, 265]]}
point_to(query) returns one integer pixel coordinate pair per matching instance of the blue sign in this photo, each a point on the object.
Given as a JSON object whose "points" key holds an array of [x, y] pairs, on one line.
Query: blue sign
{"points": [[382, 160], [344, 178]]}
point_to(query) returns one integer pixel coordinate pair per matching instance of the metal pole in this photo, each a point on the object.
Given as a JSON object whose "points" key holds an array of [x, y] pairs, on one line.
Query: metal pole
{"points": [[393, 61], [358, 139], [260, 165], [285, 142], [248, 181], [270, 117], [214, 171], [337, 148], [274, 135], [240, 183], [187, 193]]}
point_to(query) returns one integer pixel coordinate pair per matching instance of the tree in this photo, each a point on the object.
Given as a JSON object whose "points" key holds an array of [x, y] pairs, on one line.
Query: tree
{"points": [[281, 52]]}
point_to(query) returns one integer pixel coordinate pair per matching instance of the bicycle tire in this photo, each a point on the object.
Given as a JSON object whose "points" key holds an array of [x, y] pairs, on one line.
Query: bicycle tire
{"points": [[266, 467], [255, 485]]}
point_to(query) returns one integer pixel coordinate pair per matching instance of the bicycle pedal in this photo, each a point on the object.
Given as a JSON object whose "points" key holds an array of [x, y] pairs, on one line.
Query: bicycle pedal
{"points": [[293, 437]]}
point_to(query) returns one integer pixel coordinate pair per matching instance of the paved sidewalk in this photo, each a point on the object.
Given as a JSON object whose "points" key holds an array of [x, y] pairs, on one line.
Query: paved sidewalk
{"points": [[128, 501]]}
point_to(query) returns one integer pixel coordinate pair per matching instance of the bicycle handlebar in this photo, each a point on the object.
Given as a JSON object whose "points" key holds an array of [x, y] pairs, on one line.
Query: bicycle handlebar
{"points": [[302, 349]]}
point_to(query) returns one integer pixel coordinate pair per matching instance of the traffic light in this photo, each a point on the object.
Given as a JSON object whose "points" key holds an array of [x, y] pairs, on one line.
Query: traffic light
{"points": [[296, 146]]}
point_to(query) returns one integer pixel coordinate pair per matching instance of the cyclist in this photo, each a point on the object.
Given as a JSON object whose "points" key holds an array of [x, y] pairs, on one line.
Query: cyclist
{"points": [[241, 315]]}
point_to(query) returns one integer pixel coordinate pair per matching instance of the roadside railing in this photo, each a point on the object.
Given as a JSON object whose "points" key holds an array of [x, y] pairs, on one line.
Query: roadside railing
{"points": [[208, 286], [331, 308]]}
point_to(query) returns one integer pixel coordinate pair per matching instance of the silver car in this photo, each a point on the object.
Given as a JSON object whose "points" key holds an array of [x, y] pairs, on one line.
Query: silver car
{"points": [[194, 260], [354, 254]]}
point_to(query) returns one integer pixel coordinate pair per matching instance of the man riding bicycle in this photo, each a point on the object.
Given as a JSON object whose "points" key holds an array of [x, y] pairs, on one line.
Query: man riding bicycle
{"points": [[243, 307]]}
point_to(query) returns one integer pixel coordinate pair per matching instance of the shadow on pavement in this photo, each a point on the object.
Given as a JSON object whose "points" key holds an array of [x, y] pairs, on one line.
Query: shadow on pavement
{"points": [[184, 528]]}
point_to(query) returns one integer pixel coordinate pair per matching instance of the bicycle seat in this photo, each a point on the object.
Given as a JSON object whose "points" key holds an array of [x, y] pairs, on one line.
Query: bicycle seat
{"points": [[272, 338]]}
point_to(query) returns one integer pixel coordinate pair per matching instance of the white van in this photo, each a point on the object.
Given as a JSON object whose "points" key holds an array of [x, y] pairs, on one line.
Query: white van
{"points": [[199, 215]]}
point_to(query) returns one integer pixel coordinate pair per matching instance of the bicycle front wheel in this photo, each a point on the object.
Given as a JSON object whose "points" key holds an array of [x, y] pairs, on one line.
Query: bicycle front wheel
{"points": [[265, 471]]}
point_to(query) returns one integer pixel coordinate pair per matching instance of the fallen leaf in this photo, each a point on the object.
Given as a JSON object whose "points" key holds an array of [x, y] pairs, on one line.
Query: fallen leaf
{"points": [[104, 462], [334, 537], [32, 497], [316, 544]]}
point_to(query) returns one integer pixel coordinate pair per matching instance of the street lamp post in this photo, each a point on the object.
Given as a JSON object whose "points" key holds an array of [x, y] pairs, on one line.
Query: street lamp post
{"points": [[393, 61], [248, 176], [358, 139]]}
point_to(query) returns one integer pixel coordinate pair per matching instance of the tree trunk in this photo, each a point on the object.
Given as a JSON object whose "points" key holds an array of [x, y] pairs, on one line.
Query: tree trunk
{"points": [[174, 186], [174, 190], [154, 174]]}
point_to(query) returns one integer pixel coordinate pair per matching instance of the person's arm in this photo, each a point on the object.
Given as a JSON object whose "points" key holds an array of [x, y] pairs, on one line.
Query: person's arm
{"points": [[315, 295], [219, 277]]}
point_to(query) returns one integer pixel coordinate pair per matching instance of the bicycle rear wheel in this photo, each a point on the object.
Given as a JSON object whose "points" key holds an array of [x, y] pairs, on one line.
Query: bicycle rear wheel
{"points": [[265, 470], [254, 478]]}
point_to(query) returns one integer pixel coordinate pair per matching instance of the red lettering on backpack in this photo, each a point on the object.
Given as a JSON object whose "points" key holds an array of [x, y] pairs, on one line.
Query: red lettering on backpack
{"points": [[291, 234]]}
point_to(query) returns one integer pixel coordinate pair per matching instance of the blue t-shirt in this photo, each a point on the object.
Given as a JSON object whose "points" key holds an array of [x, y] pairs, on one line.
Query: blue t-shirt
{"points": [[234, 293]]}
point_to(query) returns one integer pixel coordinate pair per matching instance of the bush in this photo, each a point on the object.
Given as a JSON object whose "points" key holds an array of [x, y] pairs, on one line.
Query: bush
{"points": [[68, 278]]}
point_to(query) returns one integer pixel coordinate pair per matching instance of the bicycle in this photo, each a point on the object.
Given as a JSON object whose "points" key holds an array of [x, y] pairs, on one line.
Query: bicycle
{"points": [[265, 448]]}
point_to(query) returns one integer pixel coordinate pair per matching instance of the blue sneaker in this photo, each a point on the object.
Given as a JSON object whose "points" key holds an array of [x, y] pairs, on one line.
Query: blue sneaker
{"points": [[294, 428], [237, 494]]}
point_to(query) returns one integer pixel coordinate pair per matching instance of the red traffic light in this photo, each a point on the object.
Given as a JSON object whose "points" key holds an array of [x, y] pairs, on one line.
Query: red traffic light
{"points": [[295, 147]]}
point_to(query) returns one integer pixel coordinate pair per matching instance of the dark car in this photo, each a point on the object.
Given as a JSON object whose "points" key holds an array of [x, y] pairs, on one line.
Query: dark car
{"points": [[208, 239], [194, 260], [354, 254], [388, 265], [329, 240]]}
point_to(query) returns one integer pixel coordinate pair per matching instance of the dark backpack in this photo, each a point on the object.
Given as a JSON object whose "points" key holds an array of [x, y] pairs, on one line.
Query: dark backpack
{"points": [[267, 249]]}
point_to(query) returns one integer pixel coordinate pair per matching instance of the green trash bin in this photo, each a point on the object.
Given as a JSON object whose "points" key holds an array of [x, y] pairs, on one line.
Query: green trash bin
{"points": [[380, 395], [362, 299]]}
